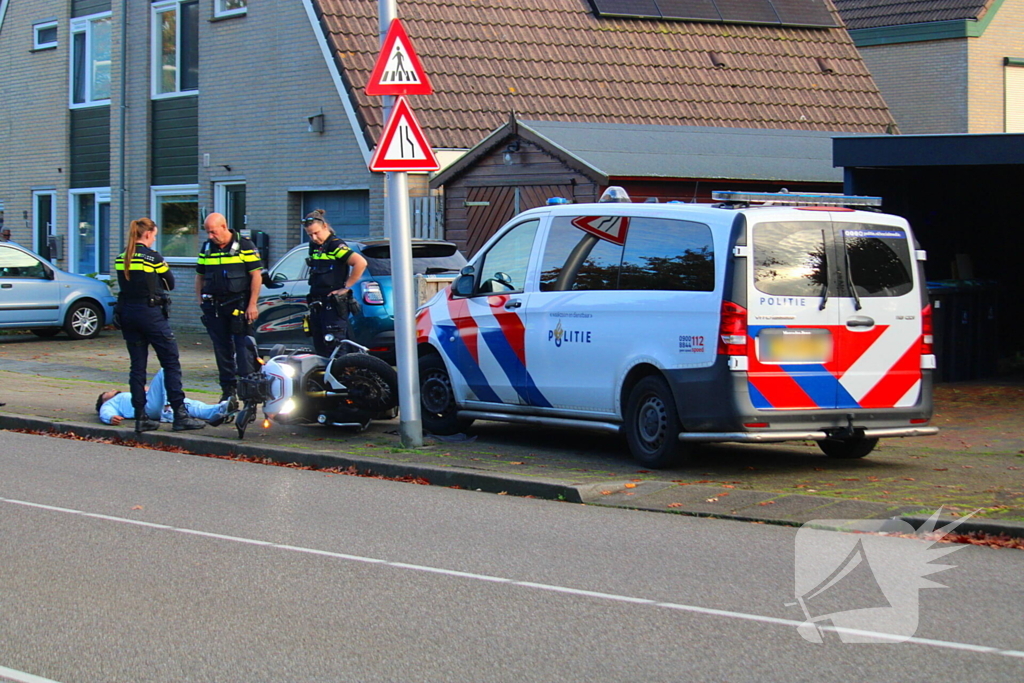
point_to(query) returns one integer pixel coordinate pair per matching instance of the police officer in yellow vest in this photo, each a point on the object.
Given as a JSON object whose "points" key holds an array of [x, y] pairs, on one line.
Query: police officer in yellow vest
{"points": [[333, 270], [228, 280], [142, 302]]}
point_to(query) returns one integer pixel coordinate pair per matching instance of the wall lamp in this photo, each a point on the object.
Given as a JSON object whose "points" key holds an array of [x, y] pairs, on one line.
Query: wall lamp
{"points": [[511, 149]]}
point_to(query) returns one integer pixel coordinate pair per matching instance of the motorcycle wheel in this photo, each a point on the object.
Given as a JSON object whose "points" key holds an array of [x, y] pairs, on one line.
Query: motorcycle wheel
{"points": [[372, 384]]}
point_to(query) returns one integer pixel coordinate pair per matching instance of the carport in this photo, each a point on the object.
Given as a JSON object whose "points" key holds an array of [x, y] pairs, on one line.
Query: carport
{"points": [[961, 195]]}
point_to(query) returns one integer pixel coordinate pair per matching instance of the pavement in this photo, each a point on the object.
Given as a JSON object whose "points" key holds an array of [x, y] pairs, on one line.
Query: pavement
{"points": [[976, 463]]}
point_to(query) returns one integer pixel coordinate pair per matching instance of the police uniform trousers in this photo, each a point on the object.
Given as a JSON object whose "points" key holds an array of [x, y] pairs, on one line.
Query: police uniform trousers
{"points": [[326, 320], [228, 333], [143, 326]]}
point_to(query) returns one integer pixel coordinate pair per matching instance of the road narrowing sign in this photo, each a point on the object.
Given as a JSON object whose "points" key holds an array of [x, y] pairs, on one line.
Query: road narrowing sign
{"points": [[398, 70], [403, 147]]}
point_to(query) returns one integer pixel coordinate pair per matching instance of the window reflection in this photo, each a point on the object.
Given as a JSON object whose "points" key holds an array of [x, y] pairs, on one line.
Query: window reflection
{"points": [[789, 258]]}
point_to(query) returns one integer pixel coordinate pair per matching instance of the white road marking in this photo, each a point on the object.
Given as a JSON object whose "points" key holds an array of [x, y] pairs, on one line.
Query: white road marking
{"points": [[21, 676], [743, 616]]}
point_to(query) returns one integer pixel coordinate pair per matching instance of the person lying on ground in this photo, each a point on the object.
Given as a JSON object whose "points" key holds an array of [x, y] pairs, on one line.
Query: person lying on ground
{"points": [[116, 406]]}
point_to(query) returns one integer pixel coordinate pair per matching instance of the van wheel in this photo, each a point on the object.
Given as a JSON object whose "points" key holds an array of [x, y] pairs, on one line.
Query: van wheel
{"points": [[437, 398], [652, 424], [83, 321], [847, 449]]}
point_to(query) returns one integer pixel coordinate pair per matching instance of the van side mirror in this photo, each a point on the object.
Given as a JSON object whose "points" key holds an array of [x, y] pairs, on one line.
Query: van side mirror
{"points": [[465, 284]]}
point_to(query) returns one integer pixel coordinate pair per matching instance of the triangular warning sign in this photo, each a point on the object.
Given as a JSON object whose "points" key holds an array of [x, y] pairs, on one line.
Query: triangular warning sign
{"points": [[402, 146], [610, 228], [398, 70]]}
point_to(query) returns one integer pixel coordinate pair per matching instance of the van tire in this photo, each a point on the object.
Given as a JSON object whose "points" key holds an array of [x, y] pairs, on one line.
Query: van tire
{"points": [[652, 424], [437, 398], [847, 449]]}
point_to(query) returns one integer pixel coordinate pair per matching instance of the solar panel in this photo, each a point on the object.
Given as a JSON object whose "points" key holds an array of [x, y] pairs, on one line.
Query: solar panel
{"points": [[626, 8], [691, 9], [804, 13], [809, 13]]}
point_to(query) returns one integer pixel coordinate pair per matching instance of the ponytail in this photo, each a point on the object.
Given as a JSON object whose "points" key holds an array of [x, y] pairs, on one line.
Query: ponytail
{"points": [[136, 230]]}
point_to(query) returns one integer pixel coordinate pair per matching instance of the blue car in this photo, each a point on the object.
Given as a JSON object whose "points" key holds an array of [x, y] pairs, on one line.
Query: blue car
{"points": [[36, 296], [282, 301]]}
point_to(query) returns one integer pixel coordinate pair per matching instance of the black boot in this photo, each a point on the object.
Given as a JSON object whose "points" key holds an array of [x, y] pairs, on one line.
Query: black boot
{"points": [[183, 422], [144, 424]]}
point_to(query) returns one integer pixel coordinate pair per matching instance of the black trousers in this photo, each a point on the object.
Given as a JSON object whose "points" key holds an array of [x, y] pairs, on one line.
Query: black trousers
{"points": [[324, 319], [143, 326], [228, 332]]}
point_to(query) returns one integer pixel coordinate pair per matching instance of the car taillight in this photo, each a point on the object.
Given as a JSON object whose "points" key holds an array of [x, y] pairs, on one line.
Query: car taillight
{"points": [[927, 331], [372, 294], [732, 332]]}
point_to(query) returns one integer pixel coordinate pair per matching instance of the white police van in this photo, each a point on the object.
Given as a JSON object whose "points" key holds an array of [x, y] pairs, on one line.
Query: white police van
{"points": [[797, 318]]}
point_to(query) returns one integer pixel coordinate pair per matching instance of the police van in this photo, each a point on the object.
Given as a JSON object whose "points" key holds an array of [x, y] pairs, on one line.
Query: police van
{"points": [[763, 317]]}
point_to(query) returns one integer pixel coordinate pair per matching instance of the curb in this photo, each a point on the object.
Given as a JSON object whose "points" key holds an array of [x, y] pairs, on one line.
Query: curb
{"points": [[987, 526], [437, 476]]}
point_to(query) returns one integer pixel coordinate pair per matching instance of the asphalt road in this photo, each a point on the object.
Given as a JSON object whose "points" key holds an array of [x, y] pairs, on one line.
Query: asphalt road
{"points": [[121, 564]]}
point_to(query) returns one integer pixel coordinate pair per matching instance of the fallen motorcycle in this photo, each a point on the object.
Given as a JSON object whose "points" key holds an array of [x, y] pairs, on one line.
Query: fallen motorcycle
{"points": [[348, 389]]}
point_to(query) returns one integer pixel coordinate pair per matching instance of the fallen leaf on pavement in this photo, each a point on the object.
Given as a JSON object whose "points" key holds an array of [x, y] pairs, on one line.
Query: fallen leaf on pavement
{"points": [[630, 486], [711, 500], [767, 502], [941, 469], [675, 505], [606, 493]]}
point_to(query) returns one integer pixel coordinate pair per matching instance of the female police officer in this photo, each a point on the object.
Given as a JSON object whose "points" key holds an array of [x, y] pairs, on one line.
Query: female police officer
{"points": [[142, 302], [333, 271]]}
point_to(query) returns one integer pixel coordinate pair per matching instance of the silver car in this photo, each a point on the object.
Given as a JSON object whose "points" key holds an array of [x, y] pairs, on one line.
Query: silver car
{"points": [[35, 295]]}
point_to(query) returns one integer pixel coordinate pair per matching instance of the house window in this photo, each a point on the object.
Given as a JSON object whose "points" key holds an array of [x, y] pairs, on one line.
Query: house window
{"points": [[176, 213], [175, 47], [90, 60], [1014, 95], [229, 8], [229, 199], [89, 231], [44, 35]]}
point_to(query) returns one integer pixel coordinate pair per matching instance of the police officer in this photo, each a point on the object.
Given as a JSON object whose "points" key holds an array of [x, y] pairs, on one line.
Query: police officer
{"points": [[228, 283], [333, 270], [143, 279]]}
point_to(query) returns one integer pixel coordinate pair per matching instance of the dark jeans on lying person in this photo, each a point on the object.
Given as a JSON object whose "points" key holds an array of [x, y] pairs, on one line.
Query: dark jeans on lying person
{"points": [[228, 332], [143, 326], [325, 318]]}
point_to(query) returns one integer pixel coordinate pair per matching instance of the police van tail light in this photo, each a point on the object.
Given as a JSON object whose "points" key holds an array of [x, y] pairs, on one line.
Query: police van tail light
{"points": [[372, 294], [927, 331], [732, 332]]}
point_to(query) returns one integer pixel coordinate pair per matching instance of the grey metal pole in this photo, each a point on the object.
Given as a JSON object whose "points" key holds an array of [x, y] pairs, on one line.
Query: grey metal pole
{"points": [[398, 227]]}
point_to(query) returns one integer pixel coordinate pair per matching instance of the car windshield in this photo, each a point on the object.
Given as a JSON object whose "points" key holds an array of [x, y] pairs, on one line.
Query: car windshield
{"points": [[427, 259]]}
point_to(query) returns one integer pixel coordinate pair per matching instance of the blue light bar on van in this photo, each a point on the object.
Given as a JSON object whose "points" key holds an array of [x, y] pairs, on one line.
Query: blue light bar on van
{"points": [[552, 201], [794, 198]]}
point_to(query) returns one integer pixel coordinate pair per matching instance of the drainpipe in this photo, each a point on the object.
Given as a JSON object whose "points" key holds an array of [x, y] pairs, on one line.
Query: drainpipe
{"points": [[123, 191]]}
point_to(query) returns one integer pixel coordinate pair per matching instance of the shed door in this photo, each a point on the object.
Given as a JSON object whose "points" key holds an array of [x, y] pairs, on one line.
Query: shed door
{"points": [[489, 208]]}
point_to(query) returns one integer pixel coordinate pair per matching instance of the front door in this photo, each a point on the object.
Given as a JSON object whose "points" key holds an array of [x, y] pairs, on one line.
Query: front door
{"points": [[43, 213]]}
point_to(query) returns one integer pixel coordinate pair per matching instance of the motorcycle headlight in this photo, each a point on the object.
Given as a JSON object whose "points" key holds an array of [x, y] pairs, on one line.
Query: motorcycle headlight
{"points": [[287, 408], [288, 371]]}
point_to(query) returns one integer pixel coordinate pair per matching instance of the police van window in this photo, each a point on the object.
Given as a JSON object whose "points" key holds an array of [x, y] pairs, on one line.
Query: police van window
{"points": [[503, 267], [578, 260], [789, 258], [668, 255], [879, 258]]}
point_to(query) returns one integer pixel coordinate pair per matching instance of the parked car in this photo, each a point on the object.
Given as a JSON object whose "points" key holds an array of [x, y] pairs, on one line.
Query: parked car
{"points": [[282, 301], [37, 296]]}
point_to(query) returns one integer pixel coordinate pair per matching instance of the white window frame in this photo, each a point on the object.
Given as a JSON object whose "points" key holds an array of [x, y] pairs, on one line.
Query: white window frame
{"points": [[102, 196], [1013, 96], [36, 194], [157, 191], [157, 9], [83, 25], [41, 26], [219, 13]]}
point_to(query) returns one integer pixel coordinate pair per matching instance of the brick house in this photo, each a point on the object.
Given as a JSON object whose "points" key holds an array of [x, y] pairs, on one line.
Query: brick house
{"points": [[944, 66], [176, 108]]}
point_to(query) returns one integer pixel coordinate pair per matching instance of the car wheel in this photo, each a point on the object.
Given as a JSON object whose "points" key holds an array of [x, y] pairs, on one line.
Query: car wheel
{"points": [[437, 398], [83, 321], [847, 449], [46, 331], [652, 424], [372, 384]]}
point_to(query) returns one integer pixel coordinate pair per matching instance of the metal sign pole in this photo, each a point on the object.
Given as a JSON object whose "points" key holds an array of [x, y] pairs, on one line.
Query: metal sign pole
{"points": [[398, 226]]}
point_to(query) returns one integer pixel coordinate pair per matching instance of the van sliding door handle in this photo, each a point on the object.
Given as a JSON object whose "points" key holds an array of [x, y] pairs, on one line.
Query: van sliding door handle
{"points": [[860, 321], [512, 303]]}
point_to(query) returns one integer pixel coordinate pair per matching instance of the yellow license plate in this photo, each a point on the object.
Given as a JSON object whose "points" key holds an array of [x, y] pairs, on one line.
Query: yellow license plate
{"points": [[794, 346]]}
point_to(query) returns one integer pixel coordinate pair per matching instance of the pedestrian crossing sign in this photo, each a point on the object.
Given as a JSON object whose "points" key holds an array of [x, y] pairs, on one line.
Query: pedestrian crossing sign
{"points": [[398, 70], [403, 147]]}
